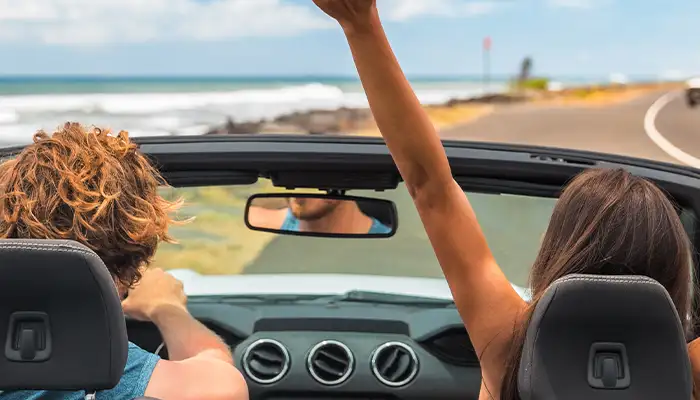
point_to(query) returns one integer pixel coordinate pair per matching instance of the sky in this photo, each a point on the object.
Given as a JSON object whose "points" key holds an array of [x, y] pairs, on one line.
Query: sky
{"points": [[292, 37]]}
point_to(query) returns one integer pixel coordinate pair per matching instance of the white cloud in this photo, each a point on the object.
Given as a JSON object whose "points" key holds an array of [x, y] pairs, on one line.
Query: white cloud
{"points": [[401, 10], [101, 21], [673, 74], [577, 4], [94, 22]]}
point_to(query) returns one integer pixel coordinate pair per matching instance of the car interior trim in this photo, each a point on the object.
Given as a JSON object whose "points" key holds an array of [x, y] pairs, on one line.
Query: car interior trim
{"points": [[286, 363], [314, 352], [415, 365]]}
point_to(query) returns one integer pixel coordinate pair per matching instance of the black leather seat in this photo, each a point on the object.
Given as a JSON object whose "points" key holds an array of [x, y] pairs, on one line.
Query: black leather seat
{"points": [[605, 337], [61, 321]]}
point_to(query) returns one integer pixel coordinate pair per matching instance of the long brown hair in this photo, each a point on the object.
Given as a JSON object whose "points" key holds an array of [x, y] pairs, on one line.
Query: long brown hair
{"points": [[608, 222]]}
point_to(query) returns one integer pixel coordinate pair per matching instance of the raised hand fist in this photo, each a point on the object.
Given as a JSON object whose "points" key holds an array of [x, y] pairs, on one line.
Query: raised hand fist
{"points": [[349, 12]]}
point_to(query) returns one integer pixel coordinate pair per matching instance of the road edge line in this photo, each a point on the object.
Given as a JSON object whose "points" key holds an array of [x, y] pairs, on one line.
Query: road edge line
{"points": [[661, 142]]}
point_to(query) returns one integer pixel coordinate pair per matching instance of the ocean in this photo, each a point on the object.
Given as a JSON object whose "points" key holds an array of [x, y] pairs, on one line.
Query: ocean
{"points": [[188, 106]]}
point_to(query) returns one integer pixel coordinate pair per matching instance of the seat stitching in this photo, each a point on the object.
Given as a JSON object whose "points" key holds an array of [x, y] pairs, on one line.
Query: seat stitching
{"points": [[50, 248]]}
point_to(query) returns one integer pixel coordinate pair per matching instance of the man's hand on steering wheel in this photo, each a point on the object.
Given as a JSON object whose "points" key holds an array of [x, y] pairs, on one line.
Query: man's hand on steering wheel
{"points": [[156, 290]]}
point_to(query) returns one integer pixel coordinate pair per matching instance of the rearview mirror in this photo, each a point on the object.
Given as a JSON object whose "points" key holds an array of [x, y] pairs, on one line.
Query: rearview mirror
{"points": [[321, 215]]}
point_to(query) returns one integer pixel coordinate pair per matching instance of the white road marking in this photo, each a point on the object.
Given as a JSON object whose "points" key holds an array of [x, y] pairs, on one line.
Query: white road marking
{"points": [[659, 139]]}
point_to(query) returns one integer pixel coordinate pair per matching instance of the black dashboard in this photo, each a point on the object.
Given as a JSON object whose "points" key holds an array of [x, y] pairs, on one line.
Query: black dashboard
{"points": [[339, 350]]}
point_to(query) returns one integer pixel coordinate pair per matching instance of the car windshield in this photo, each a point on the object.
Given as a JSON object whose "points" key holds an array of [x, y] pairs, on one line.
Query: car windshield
{"points": [[218, 242]]}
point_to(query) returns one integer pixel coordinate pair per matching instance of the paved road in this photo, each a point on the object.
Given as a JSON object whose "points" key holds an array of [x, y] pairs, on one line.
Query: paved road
{"points": [[680, 125], [615, 129]]}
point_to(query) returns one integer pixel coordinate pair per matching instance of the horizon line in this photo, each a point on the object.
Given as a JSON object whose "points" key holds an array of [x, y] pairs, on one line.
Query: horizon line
{"points": [[289, 76]]}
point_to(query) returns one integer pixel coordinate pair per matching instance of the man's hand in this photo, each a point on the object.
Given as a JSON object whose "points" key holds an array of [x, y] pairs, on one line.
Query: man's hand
{"points": [[156, 290], [351, 14]]}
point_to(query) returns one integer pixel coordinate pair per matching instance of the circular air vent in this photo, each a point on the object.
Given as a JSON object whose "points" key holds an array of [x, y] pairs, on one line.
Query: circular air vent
{"points": [[330, 362], [266, 361], [394, 364]]}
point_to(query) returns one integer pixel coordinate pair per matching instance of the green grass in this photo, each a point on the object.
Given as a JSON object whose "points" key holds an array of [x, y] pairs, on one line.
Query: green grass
{"points": [[217, 240], [539, 84]]}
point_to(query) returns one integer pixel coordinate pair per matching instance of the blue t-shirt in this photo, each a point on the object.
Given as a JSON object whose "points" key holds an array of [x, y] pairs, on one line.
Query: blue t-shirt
{"points": [[137, 373], [291, 224]]}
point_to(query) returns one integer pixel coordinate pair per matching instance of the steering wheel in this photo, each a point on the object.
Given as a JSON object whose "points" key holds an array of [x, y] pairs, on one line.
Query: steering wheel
{"points": [[160, 348]]}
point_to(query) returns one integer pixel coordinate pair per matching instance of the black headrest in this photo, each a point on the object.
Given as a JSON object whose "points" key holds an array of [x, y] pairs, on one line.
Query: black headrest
{"points": [[605, 337], [61, 321]]}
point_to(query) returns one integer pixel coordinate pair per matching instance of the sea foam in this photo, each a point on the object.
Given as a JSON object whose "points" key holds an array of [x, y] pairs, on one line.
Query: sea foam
{"points": [[186, 113]]}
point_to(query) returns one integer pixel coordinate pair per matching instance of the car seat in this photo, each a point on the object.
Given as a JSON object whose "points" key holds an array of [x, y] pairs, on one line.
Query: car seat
{"points": [[605, 337], [61, 320], [378, 210]]}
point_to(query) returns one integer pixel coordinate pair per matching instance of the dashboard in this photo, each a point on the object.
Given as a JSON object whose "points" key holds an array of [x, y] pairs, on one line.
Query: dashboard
{"points": [[339, 351]]}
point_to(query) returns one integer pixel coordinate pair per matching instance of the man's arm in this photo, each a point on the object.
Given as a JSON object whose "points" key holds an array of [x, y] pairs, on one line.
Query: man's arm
{"points": [[185, 337], [261, 217], [201, 365]]}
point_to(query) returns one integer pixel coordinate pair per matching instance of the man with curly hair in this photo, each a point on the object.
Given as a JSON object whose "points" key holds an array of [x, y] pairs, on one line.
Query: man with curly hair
{"points": [[96, 188]]}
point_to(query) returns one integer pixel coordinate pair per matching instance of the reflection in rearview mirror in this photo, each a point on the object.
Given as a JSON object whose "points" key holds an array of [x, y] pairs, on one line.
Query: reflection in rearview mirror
{"points": [[321, 215]]}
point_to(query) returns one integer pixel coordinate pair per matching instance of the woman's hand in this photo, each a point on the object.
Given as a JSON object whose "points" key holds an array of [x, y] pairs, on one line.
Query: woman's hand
{"points": [[350, 14]]}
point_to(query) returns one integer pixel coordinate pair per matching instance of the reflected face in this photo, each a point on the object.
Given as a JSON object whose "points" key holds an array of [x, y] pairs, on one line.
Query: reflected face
{"points": [[308, 209]]}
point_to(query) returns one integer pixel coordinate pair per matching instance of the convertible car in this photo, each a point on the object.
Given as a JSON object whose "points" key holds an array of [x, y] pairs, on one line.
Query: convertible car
{"points": [[331, 318]]}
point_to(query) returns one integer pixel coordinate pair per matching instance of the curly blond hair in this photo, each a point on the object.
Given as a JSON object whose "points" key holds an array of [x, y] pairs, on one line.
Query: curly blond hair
{"points": [[89, 186]]}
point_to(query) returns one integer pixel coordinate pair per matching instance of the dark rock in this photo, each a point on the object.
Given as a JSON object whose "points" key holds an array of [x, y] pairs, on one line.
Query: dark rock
{"points": [[233, 128], [327, 121], [498, 98], [342, 120]]}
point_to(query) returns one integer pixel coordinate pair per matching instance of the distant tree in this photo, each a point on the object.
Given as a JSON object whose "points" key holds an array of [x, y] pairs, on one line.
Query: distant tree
{"points": [[525, 69]]}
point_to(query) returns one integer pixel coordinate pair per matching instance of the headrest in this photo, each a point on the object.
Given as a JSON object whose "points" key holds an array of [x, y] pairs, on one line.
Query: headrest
{"points": [[61, 321], [605, 337]]}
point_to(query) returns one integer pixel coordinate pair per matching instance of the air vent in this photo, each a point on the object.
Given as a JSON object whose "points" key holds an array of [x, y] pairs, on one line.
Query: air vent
{"points": [[330, 362], [266, 361], [394, 364], [453, 346]]}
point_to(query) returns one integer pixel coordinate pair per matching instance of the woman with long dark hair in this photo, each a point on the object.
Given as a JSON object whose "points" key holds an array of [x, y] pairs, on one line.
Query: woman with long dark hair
{"points": [[605, 221]]}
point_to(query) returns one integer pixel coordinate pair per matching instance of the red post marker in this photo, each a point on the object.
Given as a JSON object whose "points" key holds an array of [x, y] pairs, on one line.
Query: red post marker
{"points": [[487, 63], [487, 43]]}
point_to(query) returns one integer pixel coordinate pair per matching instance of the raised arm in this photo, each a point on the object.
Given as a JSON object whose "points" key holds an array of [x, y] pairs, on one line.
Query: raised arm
{"points": [[406, 128], [488, 304]]}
